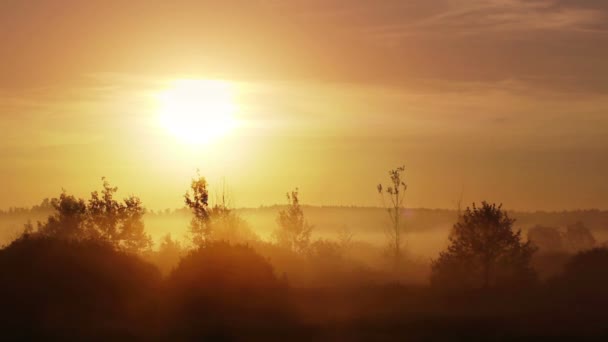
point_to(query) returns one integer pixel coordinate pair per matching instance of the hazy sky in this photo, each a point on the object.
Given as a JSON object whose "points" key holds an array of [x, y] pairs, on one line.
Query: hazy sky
{"points": [[504, 100]]}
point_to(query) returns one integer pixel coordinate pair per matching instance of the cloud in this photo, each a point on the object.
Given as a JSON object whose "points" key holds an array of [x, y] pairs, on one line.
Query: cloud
{"points": [[559, 45]]}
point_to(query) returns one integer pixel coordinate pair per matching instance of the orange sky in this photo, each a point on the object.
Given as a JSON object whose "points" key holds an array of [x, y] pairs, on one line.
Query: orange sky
{"points": [[506, 99]]}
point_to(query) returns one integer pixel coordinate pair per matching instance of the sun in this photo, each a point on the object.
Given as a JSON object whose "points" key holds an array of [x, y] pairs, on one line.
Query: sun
{"points": [[198, 111]]}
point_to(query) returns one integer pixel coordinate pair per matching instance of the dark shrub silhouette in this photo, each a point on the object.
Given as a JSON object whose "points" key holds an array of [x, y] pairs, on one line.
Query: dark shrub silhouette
{"points": [[578, 296], [225, 291], [61, 288], [587, 273], [484, 252]]}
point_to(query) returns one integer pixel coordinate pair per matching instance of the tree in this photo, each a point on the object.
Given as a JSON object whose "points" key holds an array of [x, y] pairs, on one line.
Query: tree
{"points": [[132, 234], [484, 251], [396, 194], [198, 202], [579, 238], [68, 219], [345, 239], [294, 231], [120, 223], [102, 218], [214, 223], [547, 239], [168, 255]]}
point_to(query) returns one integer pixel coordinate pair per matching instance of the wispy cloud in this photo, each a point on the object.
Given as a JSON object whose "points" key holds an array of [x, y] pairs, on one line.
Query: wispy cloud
{"points": [[483, 17]]}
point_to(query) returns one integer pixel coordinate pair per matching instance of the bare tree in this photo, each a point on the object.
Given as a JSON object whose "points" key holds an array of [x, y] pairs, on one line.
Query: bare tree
{"points": [[395, 192]]}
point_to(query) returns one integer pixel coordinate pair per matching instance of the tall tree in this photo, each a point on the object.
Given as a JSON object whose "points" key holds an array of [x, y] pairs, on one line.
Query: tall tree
{"points": [[197, 199], [484, 251], [395, 192], [217, 222], [294, 231]]}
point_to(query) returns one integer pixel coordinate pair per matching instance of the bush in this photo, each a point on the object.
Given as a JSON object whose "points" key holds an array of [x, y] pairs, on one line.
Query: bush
{"points": [[586, 273], [60, 288], [225, 291]]}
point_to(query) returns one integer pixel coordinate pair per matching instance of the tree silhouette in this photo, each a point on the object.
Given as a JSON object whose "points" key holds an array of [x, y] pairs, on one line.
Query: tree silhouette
{"points": [[484, 251], [120, 223], [294, 231], [396, 194], [197, 199], [168, 255], [214, 223], [103, 218], [547, 239], [578, 237], [68, 219]]}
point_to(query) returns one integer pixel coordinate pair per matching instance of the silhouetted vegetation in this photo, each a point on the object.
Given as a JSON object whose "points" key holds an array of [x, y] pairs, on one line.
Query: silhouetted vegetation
{"points": [[74, 289], [396, 194], [294, 231], [224, 291], [90, 271], [484, 252], [214, 223], [101, 218]]}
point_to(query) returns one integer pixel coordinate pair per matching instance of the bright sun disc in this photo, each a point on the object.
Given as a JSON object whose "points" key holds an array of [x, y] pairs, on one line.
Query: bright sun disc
{"points": [[198, 111]]}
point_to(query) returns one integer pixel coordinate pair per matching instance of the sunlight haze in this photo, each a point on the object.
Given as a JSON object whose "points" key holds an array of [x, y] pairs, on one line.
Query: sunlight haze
{"points": [[306, 94]]}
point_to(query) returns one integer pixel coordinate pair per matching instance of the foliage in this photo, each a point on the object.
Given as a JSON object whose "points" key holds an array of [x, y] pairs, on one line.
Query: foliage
{"points": [[71, 289], [327, 250], [225, 290], [197, 199], [345, 239], [396, 194], [69, 218], [579, 238], [294, 231], [484, 251], [214, 223], [588, 271], [168, 255], [102, 217], [547, 239]]}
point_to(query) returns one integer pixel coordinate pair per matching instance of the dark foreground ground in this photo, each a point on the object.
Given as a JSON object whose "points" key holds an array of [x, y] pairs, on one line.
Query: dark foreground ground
{"points": [[62, 290]]}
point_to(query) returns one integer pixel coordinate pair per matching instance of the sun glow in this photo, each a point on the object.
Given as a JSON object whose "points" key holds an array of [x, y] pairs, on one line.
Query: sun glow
{"points": [[198, 111]]}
